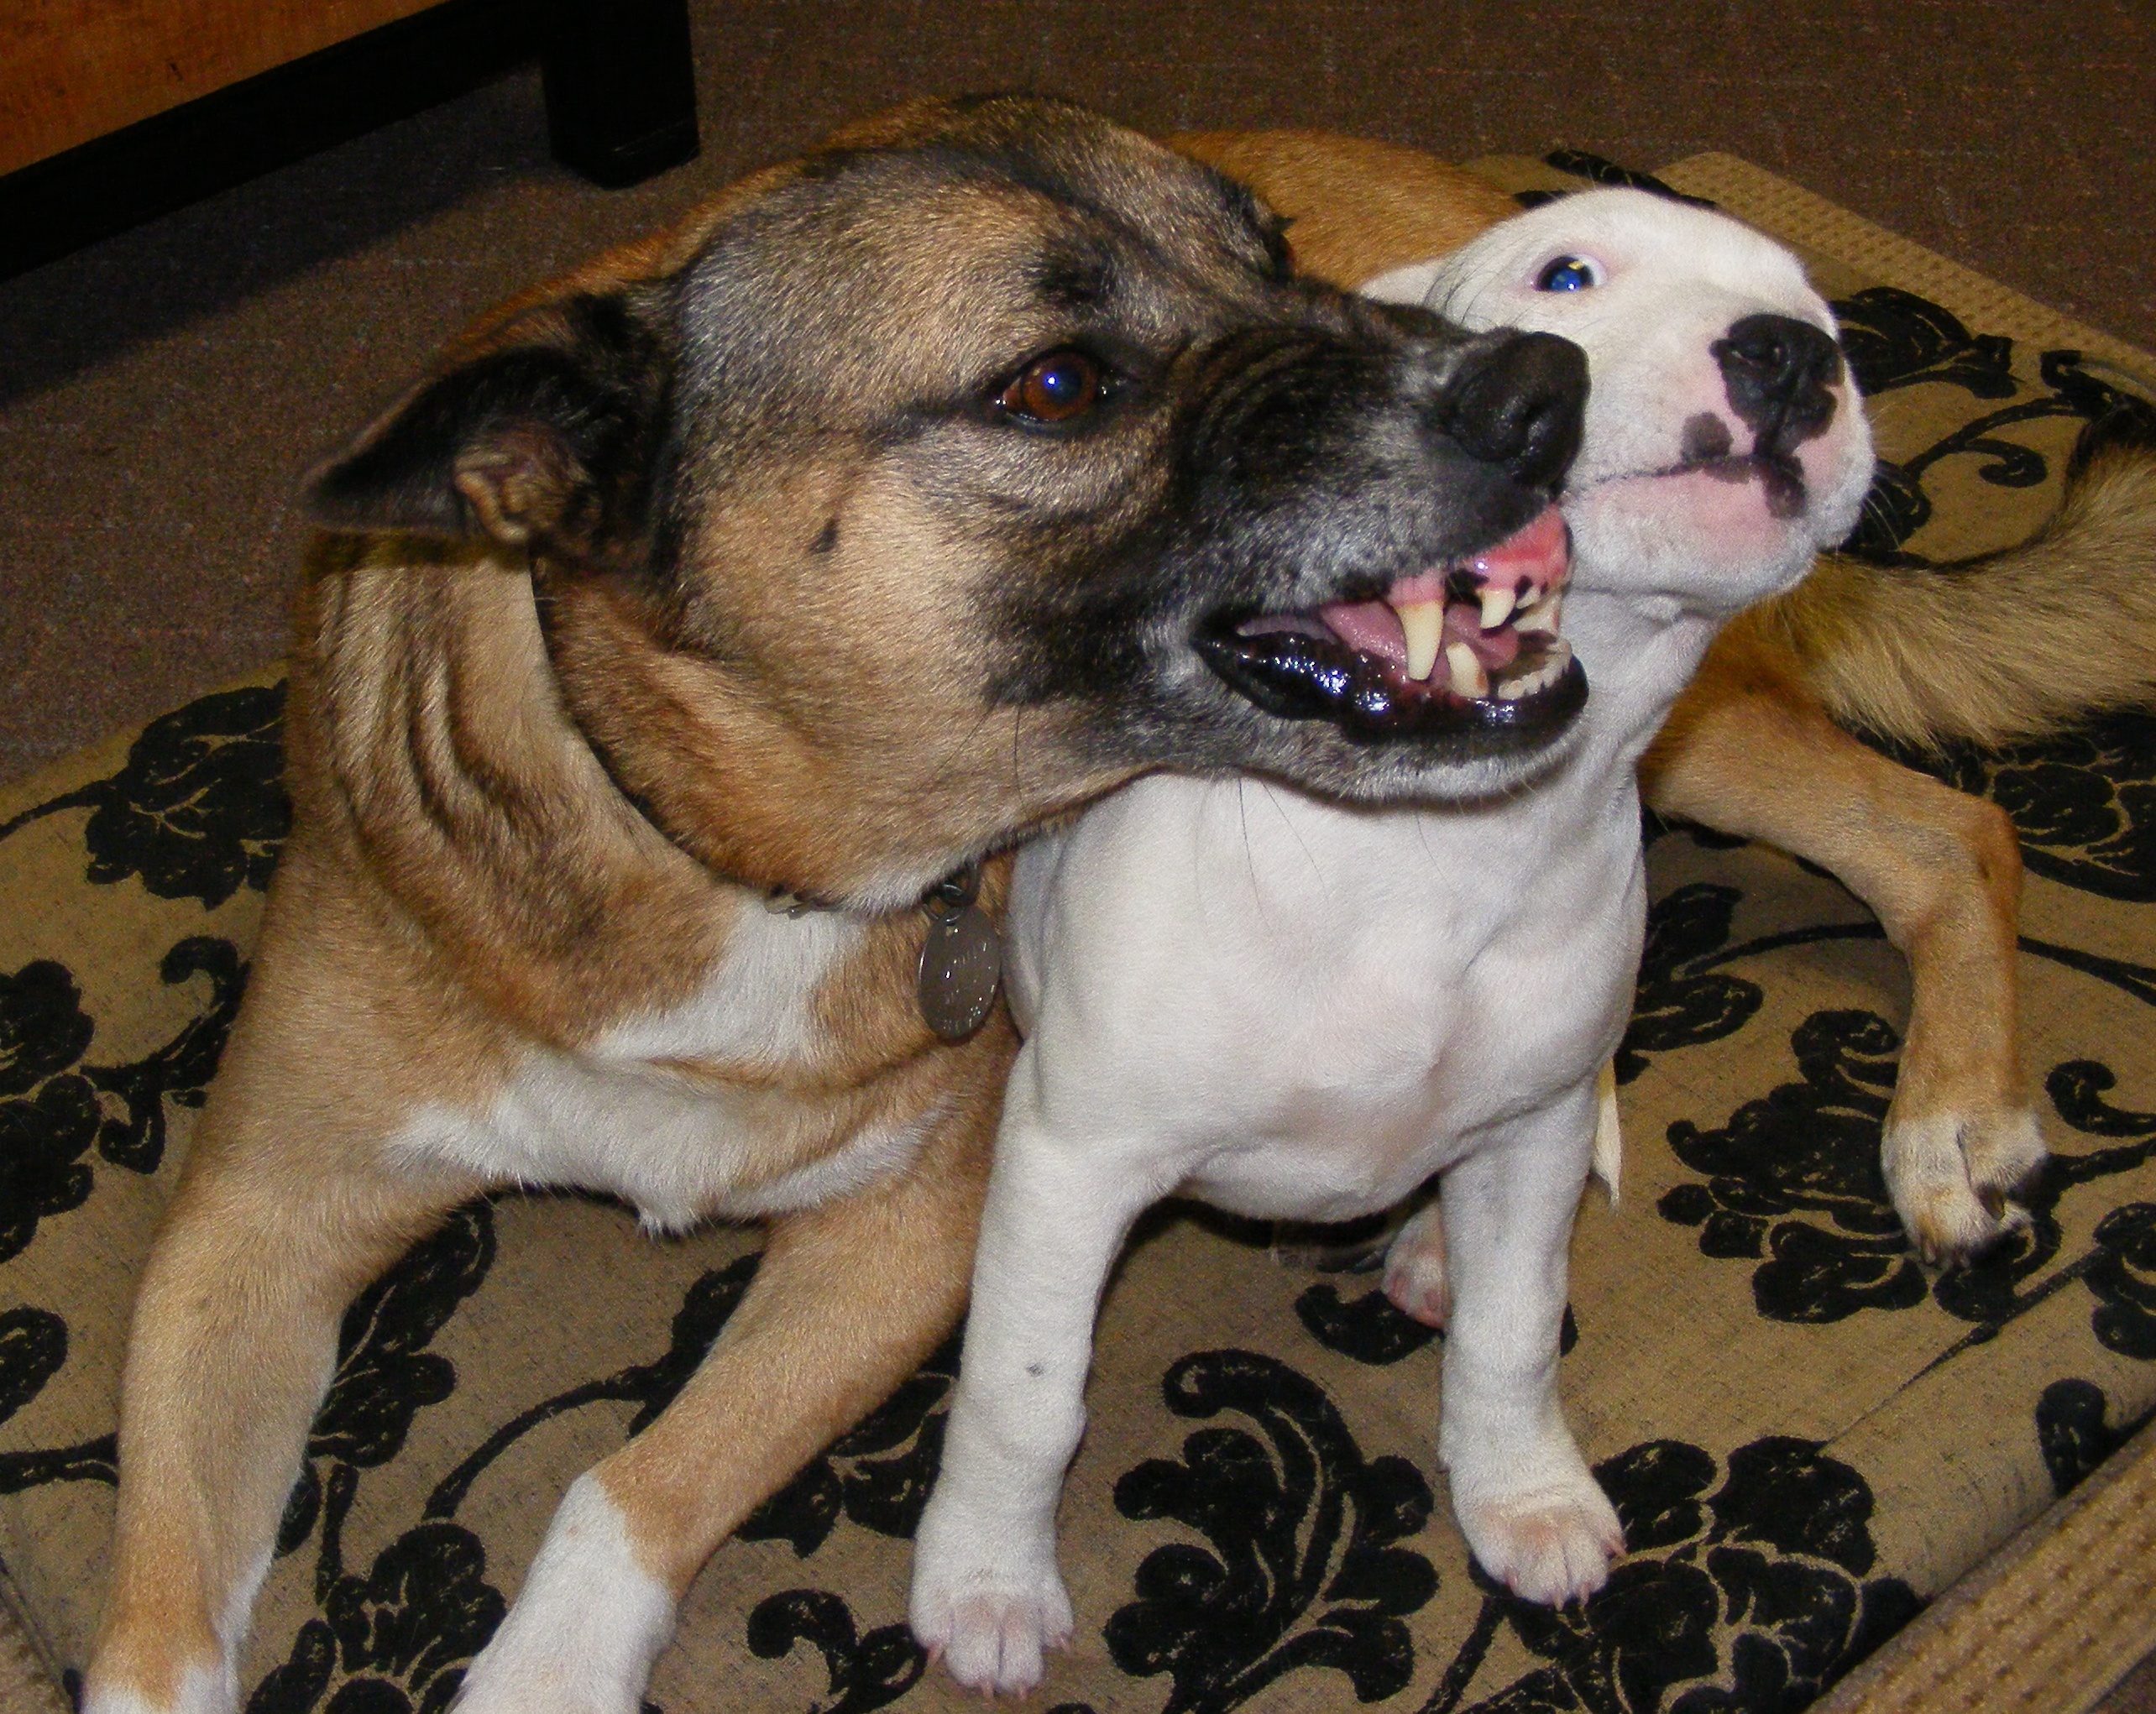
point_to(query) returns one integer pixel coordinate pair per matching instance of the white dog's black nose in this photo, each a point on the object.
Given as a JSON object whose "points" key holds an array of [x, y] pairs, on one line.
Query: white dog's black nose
{"points": [[1777, 371], [1519, 405]]}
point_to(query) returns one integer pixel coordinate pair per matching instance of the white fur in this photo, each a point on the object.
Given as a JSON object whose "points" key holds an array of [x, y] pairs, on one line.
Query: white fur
{"points": [[1296, 1010], [203, 1690], [674, 1149], [620, 1116], [757, 1004], [587, 1625]]}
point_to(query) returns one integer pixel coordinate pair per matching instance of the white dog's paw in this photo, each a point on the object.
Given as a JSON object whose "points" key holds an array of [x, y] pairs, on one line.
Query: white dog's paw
{"points": [[1952, 1175], [991, 1625], [1415, 1270], [1551, 1546]]}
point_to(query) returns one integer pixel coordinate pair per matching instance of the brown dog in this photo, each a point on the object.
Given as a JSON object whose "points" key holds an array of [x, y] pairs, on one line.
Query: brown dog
{"points": [[2012, 646], [808, 556]]}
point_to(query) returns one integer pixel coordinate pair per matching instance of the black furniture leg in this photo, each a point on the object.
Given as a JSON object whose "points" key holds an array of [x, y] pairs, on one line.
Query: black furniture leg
{"points": [[621, 87]]}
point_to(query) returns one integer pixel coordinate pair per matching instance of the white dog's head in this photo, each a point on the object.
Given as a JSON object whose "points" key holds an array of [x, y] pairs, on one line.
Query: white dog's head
{"points": [[1725, 445]]}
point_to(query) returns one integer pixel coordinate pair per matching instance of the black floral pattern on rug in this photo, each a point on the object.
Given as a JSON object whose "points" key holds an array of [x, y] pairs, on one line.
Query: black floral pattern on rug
{"points": [[1792, 1182], [1366, 1327], [1809, 1148], [1894, 339], [2075, 1431], [865, 1671], [1301, 1568], [199, 810], [1754, 1596], [877, 1475], [1371, 1330], [385, 1376], [54, 1109], [2122, 1276], [1682, 1000], [395, 1640], [33, 1350], [651, 1387]]}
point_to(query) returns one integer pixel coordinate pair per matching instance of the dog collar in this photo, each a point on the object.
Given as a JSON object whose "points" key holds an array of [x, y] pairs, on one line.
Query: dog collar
{"points": [[962, 955]]}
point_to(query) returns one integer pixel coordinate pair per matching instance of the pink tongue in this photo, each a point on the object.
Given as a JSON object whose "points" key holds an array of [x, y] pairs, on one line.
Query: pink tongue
{"points": [[1536, 556]]}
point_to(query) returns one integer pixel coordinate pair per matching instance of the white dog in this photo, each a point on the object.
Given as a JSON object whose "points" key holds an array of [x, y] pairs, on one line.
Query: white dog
{"points": [[1293, 1009]]}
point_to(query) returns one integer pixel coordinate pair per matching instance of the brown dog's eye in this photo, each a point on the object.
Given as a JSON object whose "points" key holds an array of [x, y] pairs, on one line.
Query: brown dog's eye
{"points": [[1059, 388]]}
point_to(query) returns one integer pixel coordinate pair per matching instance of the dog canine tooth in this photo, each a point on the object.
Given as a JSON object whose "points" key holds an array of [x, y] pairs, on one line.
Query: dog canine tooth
{"points": [[1496, 604], [1467, 677], [1424, 622]]}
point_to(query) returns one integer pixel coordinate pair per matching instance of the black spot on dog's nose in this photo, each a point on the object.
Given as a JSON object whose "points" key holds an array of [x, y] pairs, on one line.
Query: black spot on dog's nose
{"points": [[1521, 405], [1777, 370]]}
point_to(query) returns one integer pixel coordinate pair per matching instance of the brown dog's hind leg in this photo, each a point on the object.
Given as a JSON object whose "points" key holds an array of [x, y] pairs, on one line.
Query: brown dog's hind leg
{"points": [[849, 1297], [1748, 751], [233, 1343]]}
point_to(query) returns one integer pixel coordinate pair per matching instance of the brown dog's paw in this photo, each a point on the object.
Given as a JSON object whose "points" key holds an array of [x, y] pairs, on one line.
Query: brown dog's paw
{"points": [[1953, 1175]]}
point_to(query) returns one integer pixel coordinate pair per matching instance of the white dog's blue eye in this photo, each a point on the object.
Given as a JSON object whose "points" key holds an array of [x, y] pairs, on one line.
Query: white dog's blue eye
{"points": [[1569, 274]]}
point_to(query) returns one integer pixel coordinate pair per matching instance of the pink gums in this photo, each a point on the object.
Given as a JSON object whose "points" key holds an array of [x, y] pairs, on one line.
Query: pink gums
{"points": [[1534, 558]]}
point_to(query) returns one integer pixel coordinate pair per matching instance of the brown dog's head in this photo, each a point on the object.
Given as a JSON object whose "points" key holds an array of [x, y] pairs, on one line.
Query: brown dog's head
{"points": [[924, 489]]}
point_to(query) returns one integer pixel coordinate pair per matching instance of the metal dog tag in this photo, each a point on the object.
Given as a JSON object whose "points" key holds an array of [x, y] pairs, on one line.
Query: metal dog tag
{"points": [[961, 960]]}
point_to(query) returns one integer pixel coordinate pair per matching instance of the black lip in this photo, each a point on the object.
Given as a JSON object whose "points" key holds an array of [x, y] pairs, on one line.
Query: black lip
{"points": [[1780, 478], [1296, 676]]}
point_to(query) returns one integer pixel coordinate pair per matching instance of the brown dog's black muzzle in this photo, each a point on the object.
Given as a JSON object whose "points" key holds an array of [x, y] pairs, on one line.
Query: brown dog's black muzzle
{"points": [[1329, 463]]}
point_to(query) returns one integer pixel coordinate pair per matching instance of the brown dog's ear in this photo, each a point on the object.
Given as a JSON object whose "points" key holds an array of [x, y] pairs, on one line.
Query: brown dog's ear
{"points": [[547, 438]]}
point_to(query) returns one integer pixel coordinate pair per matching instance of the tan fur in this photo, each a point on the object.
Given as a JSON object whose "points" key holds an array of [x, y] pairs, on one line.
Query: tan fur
{"points": [[1356, 207], [2010, 646]]}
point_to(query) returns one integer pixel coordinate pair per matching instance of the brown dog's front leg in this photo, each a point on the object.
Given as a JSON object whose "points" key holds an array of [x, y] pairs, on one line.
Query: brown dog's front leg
{"points": [[234, 1342], [1748, 751], [848, 1298]]}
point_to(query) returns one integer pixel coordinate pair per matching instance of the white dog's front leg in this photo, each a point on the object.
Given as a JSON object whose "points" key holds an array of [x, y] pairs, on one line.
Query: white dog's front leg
{"points": [[1531, 1510], [987, 1594], [587, 1625]]}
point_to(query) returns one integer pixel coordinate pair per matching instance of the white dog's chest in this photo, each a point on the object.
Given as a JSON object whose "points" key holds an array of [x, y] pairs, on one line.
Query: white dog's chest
{"points": [[1317, 1052], [1403, 1081], [629, 1115]]}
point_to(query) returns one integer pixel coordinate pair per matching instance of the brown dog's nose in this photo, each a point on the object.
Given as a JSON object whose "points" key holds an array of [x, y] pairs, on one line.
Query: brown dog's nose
{"points": [[1519, 405], [1777, 371]]}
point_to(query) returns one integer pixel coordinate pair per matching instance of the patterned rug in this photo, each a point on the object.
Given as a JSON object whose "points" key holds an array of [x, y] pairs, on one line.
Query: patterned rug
{"points": [[1807, 1435]]}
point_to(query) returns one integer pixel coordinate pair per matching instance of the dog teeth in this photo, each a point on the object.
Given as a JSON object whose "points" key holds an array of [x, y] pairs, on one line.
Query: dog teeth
{"points": [[1467, 677], [1543, 620], [1496, 603], [1424, 622], [1541, 678]]}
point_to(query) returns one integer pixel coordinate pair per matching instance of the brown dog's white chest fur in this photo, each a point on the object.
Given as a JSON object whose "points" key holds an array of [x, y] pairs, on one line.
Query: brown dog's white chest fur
{"points": [[646, 1112]]}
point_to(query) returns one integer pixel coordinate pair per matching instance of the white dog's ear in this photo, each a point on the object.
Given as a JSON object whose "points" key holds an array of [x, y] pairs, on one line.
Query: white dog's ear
{"points": [[1403, 285]]}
